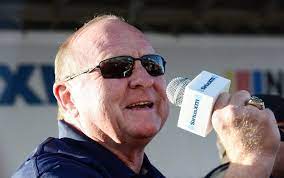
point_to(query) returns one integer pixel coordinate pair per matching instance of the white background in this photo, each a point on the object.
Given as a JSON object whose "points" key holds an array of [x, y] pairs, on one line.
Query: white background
{"points": [[177, 153]]}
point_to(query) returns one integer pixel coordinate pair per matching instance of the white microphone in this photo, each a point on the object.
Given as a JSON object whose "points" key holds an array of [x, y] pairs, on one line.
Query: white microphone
{"points": [[196, 99]]}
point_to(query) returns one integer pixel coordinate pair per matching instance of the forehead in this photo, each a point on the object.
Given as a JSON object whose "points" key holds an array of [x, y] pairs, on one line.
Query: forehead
{"points": [[109, 38]]}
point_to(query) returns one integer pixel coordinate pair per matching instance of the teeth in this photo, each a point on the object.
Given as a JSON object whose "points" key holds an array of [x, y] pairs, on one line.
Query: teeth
{"points": [[140, 104]]}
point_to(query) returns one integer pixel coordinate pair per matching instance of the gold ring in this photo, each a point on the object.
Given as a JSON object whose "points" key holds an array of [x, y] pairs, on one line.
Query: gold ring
{"points": [[257, 102]]}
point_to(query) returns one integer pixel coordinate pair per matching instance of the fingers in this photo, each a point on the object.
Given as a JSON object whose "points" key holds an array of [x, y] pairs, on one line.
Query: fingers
{"points": [[244, 130], [270, 115], [240, 98], [222, 101], [237, 99]]}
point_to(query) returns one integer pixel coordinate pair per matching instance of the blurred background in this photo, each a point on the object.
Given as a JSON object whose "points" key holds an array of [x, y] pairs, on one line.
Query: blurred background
{"points": [[241, 40]]}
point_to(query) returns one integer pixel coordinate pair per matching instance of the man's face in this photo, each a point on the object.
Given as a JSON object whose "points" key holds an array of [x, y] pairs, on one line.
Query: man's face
{"points": [[117, 108]]}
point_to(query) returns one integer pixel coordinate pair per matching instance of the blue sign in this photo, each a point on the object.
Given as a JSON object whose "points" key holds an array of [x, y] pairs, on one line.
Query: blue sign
{"points": [[16, 84]]}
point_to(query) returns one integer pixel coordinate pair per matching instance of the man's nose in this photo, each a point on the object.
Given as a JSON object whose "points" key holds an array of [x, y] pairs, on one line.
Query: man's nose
{"points": [[140, 77]]}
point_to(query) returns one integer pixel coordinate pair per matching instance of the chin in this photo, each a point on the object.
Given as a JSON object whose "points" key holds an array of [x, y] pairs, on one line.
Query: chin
{"points": [[146, 132], [142, 127]]}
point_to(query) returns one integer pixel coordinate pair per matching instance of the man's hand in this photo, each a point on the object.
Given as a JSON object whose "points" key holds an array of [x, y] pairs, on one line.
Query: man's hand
{"points": [[249, 135]]}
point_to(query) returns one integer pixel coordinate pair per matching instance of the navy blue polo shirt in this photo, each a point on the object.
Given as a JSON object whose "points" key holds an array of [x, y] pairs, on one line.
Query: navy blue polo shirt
{"points": [[74, 155]]}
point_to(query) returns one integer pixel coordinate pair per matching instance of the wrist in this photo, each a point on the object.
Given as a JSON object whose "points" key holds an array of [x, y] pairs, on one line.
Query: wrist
{"points": [[252, 166]]}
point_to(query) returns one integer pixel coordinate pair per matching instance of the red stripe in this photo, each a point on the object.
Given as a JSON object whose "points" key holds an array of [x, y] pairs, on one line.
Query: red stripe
{"points": [[242, 80]]}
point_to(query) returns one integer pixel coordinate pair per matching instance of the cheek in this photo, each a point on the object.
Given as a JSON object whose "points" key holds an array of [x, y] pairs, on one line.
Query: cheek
{"points": [[108, 98], [115, 91], [104, 92], [160, 85], [164, 102], [164, 110], [88, 97], [88, 103]]}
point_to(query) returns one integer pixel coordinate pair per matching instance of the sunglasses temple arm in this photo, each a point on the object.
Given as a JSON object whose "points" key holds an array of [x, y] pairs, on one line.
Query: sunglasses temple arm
{"points": [[83, 72]]}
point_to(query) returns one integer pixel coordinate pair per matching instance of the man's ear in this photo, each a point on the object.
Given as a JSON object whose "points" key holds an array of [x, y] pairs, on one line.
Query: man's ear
{"points": [[64, 99]]}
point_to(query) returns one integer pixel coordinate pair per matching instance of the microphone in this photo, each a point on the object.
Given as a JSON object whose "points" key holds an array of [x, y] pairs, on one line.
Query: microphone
{"points": [[196, 99]]}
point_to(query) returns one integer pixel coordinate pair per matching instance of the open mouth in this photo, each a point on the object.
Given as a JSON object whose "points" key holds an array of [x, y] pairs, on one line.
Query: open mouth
{"points": [[141, 105]]}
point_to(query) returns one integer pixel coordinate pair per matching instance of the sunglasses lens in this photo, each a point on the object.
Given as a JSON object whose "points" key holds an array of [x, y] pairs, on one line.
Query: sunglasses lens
{"points": [[122, 66], [118, 67], [154, 64]]}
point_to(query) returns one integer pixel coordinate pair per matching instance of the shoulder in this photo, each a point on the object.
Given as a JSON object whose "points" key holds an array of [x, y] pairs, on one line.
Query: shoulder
{"points": [[61, 169], [50, 159]]}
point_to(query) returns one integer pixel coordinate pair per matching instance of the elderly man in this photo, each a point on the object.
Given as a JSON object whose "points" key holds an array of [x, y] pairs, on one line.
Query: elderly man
{"points": [[110, 89]]}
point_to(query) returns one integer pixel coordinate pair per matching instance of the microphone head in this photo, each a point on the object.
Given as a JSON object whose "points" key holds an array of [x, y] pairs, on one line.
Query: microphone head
{"points": [[175, 90]]}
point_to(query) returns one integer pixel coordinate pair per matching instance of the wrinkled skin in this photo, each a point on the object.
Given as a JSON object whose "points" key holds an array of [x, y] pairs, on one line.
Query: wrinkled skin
{"points": [[250, 136], [98, 106]]}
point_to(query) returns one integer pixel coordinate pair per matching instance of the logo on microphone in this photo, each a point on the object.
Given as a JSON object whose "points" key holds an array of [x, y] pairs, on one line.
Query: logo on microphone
{"points": [[206, 85], [195, 110]]}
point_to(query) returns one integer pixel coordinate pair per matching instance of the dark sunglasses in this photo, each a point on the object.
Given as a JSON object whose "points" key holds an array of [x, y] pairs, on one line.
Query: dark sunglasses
{"points": [[122, 66]]}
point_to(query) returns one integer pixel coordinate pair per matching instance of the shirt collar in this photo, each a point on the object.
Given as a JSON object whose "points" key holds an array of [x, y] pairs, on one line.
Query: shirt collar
{"points": [[99, 153], [67, 131]]}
